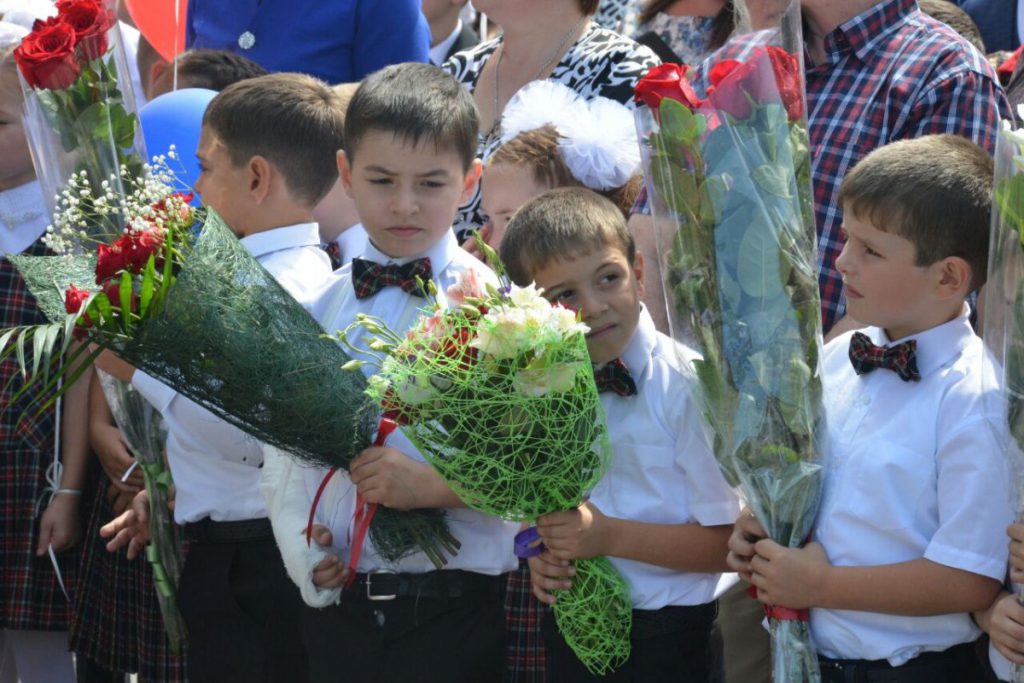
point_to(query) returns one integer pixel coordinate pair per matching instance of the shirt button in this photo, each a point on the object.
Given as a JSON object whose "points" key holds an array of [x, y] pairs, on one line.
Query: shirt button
{"points": [[246, 40]]}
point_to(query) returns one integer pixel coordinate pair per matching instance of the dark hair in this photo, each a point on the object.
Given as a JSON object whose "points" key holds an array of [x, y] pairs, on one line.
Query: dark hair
{"points": [[721, 29], [935, 191], [560, 224], [537, 150], [956, 18], [414, 102], [588, 6], [216, 69], [293, 120]]}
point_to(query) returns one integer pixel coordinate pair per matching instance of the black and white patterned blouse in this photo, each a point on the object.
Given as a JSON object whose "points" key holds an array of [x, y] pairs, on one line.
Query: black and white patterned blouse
{"points": [[617, 15], [600, 64]]}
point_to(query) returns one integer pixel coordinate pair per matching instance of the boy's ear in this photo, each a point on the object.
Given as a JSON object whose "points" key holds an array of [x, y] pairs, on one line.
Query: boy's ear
{"points": [[345, 172], [260, 178], [954, 277], [638, 273], [469, 183]]}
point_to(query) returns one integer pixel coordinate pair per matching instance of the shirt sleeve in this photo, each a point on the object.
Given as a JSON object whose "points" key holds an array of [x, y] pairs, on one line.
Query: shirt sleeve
{"points": [[153, 390], [389, 33], [968, 104]]}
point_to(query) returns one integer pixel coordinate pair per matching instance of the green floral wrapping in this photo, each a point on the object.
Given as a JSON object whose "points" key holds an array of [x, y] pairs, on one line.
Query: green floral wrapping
{"points": [[499, 397], [1004, 302]]}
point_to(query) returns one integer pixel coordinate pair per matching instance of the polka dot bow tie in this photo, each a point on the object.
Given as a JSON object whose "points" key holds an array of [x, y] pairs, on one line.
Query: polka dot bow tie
{"points": [[368, 277], [900, 358], [614, 376]]}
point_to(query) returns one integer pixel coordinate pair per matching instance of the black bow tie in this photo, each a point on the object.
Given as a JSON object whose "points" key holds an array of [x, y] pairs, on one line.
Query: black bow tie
{"points": [[368, 277], [614, 376], [901, 358]]}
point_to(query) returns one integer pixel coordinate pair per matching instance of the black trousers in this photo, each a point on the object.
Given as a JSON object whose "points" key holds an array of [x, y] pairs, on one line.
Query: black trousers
{"points": [[958, 664], [669, 644], [409, 638], [242, 613]]}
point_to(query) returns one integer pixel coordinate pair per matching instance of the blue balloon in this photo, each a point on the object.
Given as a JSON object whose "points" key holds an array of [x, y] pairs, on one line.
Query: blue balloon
{"points": [[175, 118]]}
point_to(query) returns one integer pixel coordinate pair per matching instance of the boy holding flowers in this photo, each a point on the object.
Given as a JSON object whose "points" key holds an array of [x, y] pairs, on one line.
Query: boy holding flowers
{"points": [[662, 511], [909, 537]]}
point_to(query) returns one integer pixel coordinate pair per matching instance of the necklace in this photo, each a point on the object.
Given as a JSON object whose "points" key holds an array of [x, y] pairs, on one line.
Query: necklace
{"points": [[551, 60]]}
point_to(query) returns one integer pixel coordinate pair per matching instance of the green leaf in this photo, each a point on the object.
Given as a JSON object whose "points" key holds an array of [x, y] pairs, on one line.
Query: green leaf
{"points": [[20, 350], [148, 285], [757, 265], [676, 187], [680, 124], [126, 301], [6, 338], [773, 179]]}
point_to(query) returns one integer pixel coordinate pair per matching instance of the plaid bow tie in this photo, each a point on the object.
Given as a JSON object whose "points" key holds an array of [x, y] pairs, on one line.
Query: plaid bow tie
{"points": [[333, 251], [901, 358], [368, 277], [614, 376]]}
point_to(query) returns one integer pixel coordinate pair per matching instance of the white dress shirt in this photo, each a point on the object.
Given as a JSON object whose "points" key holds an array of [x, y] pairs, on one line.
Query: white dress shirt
{"points": [[216, 465], [487, 542], [663, 470], [914, 469], [352, 242], [23, 217]]}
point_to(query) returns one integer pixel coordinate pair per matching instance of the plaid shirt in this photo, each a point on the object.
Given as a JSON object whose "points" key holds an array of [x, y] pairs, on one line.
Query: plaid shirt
{"points": [[891, 73]]}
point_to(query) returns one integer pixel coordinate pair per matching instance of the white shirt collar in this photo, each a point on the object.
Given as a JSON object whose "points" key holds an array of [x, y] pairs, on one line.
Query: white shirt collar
{"points": [[637, 353], [440, 51], [279, 239], [937, 345], [352, 242], [440, 254], [23, 217]]}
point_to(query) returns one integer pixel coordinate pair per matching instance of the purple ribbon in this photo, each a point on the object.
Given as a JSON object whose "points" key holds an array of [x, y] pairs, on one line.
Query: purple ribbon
{"points": [[524, 543]]}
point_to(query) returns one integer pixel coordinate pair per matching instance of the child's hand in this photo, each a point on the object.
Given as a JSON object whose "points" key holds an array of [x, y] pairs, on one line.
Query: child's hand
{"points": [[386, 476], [745, 534], [120, 500], [789, 577], [548, 573], [1016, 533], [1004, 623], [130, 529], [108, 443], [59, 526], [330, 572], [575, 534]]}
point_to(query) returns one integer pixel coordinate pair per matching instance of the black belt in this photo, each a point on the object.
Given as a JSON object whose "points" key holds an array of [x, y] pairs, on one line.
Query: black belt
{"points": [[208, 531], [928, 667], [447, 583]]}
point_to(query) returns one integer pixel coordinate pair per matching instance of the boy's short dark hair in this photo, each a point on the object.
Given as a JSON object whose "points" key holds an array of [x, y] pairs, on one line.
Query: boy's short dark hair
{"points": [[935, 191], [293, 120], [560, 224], [956, 18], [414, 102], [216, 69]]}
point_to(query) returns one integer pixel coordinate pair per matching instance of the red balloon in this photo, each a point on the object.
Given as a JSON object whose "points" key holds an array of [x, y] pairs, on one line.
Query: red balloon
{"points": [[162, 23]]}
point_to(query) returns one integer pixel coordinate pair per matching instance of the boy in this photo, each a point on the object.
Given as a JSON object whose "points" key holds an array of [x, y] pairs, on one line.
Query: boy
{"points": [[909, 538], [266, 154], [409, 161], [663, 512]]}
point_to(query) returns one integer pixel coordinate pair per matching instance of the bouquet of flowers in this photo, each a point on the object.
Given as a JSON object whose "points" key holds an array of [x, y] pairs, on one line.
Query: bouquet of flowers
{"points": [[1004, 300], [498, 395], [79, 108], [203, 316], [729, 178]]}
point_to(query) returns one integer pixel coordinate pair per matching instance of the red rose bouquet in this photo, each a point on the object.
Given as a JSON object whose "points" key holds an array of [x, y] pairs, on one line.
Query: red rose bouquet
{"points": [[79, 107], [728, 171]]}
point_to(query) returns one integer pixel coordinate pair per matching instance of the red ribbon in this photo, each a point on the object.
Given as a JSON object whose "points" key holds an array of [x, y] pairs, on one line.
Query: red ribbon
{"points": [[364, 511], [781, 613]]}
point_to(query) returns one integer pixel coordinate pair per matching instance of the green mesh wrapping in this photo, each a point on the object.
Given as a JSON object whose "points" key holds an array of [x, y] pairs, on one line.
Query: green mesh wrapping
{"points": [[48, 277], [515, 438], [234, 341]]}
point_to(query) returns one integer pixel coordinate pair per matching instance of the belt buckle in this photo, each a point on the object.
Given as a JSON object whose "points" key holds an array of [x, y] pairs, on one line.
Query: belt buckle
{"points": [[369, 582]]}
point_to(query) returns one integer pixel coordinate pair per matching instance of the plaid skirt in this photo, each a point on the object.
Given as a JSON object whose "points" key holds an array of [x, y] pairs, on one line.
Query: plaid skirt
{"points": [[117, 621], [524, 660]]}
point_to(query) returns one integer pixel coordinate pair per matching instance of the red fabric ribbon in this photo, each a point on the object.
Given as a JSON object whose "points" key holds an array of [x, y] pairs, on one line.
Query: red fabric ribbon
{"points": [[364, 511], [781, 613]]}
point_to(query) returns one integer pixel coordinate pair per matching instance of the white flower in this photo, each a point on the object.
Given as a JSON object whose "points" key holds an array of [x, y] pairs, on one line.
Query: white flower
{"points": [[566, 322], [543, 379]]}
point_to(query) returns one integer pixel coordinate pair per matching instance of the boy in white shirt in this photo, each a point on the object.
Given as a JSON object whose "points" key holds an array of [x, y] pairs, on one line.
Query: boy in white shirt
{"points": [[663, 512], [909, 539], [266, 154], [409, 161]]}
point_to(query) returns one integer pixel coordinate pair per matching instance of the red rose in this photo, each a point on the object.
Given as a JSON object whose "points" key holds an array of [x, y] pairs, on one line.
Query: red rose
{"points": [[732, 85], [91, 21], [74, 298], [46, 56], [666, 81], [788, 79], [142, 242], [111, 260]]}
